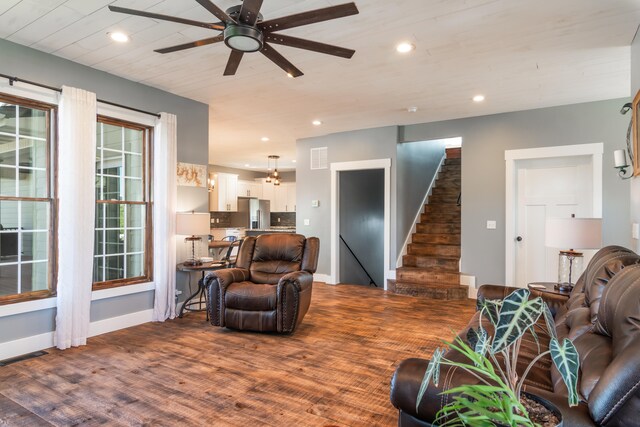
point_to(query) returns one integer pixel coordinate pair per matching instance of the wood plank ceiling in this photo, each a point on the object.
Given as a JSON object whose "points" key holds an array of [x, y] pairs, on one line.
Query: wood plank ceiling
{"points": [[521, 54]]}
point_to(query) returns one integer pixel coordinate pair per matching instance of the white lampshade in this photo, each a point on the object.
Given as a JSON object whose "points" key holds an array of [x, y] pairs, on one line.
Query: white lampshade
{"points": [[574, 233], [192, 224]]}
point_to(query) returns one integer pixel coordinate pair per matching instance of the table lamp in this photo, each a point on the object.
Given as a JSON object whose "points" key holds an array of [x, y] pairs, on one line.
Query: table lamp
{"points": [[194, 226], [574, 233]]}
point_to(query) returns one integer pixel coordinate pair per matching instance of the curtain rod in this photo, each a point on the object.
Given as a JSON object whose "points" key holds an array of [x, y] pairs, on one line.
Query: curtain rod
{"points": [[13, 79]]}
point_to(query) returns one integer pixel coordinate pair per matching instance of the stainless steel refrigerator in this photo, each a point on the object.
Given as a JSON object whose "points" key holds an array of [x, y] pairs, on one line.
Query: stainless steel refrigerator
{"points": [[252, 213]]}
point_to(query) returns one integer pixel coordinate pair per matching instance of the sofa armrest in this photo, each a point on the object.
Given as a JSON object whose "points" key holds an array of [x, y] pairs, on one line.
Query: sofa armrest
{"points": [[492, 292], [406, 381], [301, 280], [291, 289], [216, 284]]}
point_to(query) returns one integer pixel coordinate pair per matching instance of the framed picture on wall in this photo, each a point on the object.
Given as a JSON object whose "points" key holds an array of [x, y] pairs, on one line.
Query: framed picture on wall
{"points": [[636, 135]]}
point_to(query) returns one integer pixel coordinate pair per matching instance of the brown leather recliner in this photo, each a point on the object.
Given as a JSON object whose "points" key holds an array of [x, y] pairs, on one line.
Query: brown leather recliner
{"points": [[601, 318], [270, 288]]}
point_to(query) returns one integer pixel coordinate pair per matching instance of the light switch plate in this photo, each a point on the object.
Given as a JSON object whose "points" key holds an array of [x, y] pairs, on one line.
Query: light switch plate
{"points": [[306, 222], [635, 231], [491, 225], [315, 203]]}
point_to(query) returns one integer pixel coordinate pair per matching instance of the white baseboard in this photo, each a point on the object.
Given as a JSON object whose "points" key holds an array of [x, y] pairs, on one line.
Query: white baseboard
{"points": [[33, 343], [403, 252], [391, 276], [121, 322], [323, 278], [470, 281], [26, 345]]}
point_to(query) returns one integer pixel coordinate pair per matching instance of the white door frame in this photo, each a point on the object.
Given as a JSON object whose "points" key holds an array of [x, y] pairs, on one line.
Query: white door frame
{"points": [[594, 150], [335, 209]]}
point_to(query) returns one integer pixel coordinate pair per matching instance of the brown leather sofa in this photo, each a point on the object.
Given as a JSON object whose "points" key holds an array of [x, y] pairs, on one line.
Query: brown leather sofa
{"points": [[270, 287], [601, 317]]}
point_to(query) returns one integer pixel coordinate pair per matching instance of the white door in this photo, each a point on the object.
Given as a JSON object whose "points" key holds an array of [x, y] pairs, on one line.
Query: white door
{"points": [[548, 188]]}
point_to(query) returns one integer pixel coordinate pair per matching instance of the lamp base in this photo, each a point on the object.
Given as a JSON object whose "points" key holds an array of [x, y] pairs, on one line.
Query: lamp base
{"points": [[564, 287]]}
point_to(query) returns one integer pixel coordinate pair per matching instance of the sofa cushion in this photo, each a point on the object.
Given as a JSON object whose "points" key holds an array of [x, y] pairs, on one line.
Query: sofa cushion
{"points": [[613, 264], [251, 297], [275, 255], [616, 396]]}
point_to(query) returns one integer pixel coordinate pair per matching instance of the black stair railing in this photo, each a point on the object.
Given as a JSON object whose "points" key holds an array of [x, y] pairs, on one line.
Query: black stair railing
{"points": [[371, 281]]}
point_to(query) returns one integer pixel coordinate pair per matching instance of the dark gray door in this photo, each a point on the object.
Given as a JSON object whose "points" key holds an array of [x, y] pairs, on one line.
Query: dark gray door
{"points": [[362, 226]]}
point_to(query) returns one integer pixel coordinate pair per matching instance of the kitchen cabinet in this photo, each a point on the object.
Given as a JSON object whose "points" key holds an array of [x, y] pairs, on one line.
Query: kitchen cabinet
{"points": [[284, 198], [250, 189], [291, 197], [224, 196], [268, 193]]}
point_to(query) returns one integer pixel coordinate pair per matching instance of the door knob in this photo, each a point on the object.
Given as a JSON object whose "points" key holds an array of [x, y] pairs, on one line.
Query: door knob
{"points": [[519, 238]]}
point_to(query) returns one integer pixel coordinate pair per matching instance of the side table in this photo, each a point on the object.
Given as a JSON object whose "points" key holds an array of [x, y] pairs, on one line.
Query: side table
{"points": [[547, 288], [201, 292]]}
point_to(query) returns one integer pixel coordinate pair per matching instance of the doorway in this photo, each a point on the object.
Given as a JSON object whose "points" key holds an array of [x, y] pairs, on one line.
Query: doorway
{"points": [[361, 219], [550, 182], [384, 166]]}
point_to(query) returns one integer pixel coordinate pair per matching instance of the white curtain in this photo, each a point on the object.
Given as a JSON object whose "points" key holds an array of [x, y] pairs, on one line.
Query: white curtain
{"points": [[164, 217], [76, 211]]}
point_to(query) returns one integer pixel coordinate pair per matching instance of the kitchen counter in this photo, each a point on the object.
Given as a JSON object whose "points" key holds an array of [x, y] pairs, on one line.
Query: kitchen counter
{"points": [[259, 231]]}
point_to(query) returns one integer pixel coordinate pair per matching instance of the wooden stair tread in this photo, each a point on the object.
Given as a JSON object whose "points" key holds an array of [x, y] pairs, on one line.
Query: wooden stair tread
{"points": [[431, 267]]}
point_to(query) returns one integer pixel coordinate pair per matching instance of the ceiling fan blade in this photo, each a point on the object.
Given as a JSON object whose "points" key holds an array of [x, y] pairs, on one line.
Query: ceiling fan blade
{"points": [[249, 12], [219, 13], [118, 9], [309, 45], [309, 17], [280, 61], [233, 62], [196, 43]]}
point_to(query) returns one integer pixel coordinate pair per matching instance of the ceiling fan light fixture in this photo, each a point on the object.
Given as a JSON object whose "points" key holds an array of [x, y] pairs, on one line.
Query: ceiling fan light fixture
{"points": [[243, 38]]}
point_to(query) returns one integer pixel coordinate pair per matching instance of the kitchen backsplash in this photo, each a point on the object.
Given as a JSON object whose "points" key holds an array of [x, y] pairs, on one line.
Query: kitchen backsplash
{"points": [[287, 219], [221, 219]]}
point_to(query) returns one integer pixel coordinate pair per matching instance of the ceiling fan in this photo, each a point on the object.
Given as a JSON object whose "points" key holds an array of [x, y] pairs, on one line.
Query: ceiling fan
{"points": [[244, 31]]}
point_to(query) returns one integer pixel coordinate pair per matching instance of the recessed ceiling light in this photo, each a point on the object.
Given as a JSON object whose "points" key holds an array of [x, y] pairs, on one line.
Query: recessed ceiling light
{"points": [[478, 98], [412, 109], [264, 139], [405, 47], [293, 161], [316, 122], [119, 37], [246, 165]]}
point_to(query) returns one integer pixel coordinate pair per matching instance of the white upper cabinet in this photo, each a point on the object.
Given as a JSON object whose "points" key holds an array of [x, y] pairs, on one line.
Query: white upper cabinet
{"points": [[250, 189], [224, 196], [284, 198]]}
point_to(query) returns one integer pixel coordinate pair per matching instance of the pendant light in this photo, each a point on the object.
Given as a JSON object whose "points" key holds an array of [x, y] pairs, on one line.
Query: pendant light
{"points": [[268, 181], [275, 176]]}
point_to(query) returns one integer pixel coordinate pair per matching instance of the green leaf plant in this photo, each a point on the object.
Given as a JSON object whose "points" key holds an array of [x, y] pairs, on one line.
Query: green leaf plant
{"points": [[495, 398]]}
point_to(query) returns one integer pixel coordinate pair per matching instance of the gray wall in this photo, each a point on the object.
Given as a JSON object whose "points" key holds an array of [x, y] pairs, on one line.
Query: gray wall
{"points": [[484, 140], [417, 164], [193, 136], [368, 144], [250, 175], [635, 182], [362, 225]]}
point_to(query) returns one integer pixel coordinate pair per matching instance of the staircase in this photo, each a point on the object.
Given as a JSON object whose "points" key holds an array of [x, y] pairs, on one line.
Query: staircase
{"points": [[431, 266]]}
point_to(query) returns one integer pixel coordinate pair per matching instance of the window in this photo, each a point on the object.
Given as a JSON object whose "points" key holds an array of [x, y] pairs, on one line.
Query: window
{"points": [[26, 206], [122, 249]]}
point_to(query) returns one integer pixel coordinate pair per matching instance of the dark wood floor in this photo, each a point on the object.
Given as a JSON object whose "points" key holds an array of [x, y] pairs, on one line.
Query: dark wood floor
{"points": [[334, 371]]}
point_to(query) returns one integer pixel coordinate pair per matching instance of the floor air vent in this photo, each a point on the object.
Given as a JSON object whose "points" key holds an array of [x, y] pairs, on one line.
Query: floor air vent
{"points": [[23, 357]]}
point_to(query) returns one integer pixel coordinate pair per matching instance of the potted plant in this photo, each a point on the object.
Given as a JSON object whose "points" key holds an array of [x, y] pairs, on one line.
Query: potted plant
{"points": [[497, 398]]}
